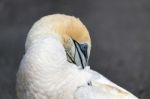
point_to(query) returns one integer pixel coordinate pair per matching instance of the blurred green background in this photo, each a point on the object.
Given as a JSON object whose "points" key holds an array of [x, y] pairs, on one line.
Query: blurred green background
{"points": [[120, 32]]}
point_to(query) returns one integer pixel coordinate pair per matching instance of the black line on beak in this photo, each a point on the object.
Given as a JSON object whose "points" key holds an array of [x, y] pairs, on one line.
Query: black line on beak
{"points": [[71, 58], [78, 53], [84, 51]]}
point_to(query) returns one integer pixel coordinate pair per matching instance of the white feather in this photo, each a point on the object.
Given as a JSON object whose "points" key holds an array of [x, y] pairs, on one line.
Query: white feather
{"points": [[44, 73], [102, 88]]}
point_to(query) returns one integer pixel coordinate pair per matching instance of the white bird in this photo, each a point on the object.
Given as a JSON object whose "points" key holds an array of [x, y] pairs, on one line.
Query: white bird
{"points": [[55, 64]]}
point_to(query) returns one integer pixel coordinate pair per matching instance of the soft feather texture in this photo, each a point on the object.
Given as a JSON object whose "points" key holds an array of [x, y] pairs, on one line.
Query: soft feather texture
{"points": [[45, 73], [65, 26], [102, 88]]}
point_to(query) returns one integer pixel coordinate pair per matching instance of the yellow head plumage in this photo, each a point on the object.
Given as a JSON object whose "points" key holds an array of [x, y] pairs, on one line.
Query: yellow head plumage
{"points": [[67, 27]]}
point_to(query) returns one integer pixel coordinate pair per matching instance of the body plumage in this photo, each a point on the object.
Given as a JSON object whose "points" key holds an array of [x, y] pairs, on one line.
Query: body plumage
{"points": [[55, 64]]}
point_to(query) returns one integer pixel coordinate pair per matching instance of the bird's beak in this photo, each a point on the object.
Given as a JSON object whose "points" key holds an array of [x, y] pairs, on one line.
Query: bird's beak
{"points": [[81, 54]]}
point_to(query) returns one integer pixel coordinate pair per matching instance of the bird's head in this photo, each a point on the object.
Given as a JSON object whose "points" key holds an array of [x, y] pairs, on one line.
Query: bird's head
{"points": [[72, 33]]}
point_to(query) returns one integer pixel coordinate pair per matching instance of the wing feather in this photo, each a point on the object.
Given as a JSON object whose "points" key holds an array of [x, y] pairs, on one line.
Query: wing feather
{"points": [[102, 88]]}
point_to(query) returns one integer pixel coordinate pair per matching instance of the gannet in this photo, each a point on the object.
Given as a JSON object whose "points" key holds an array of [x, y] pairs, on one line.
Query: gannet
{"points": [[55, 64]]}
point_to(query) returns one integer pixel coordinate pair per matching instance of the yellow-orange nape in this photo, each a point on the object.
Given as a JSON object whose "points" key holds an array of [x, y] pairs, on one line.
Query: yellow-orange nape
{"points": [[69, 27]]}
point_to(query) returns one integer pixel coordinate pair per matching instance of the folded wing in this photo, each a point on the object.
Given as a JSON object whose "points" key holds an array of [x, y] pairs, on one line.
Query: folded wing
{"points": [[101, 88]]}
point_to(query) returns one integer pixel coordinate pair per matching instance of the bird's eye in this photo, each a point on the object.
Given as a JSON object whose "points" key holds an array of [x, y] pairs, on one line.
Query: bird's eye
{"points": [[84, 47]]}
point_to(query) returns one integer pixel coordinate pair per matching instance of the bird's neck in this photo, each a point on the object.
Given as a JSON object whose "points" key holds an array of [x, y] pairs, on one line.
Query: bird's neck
{"points": [[44, 68], [47, 53]]}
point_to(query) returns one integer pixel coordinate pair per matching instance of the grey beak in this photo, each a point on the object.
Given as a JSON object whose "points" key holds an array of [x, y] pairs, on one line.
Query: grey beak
{"points": [[81, 54]]}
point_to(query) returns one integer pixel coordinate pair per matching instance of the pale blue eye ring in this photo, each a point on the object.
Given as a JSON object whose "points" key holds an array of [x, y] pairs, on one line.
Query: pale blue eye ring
{"points": [[83, 47]]}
